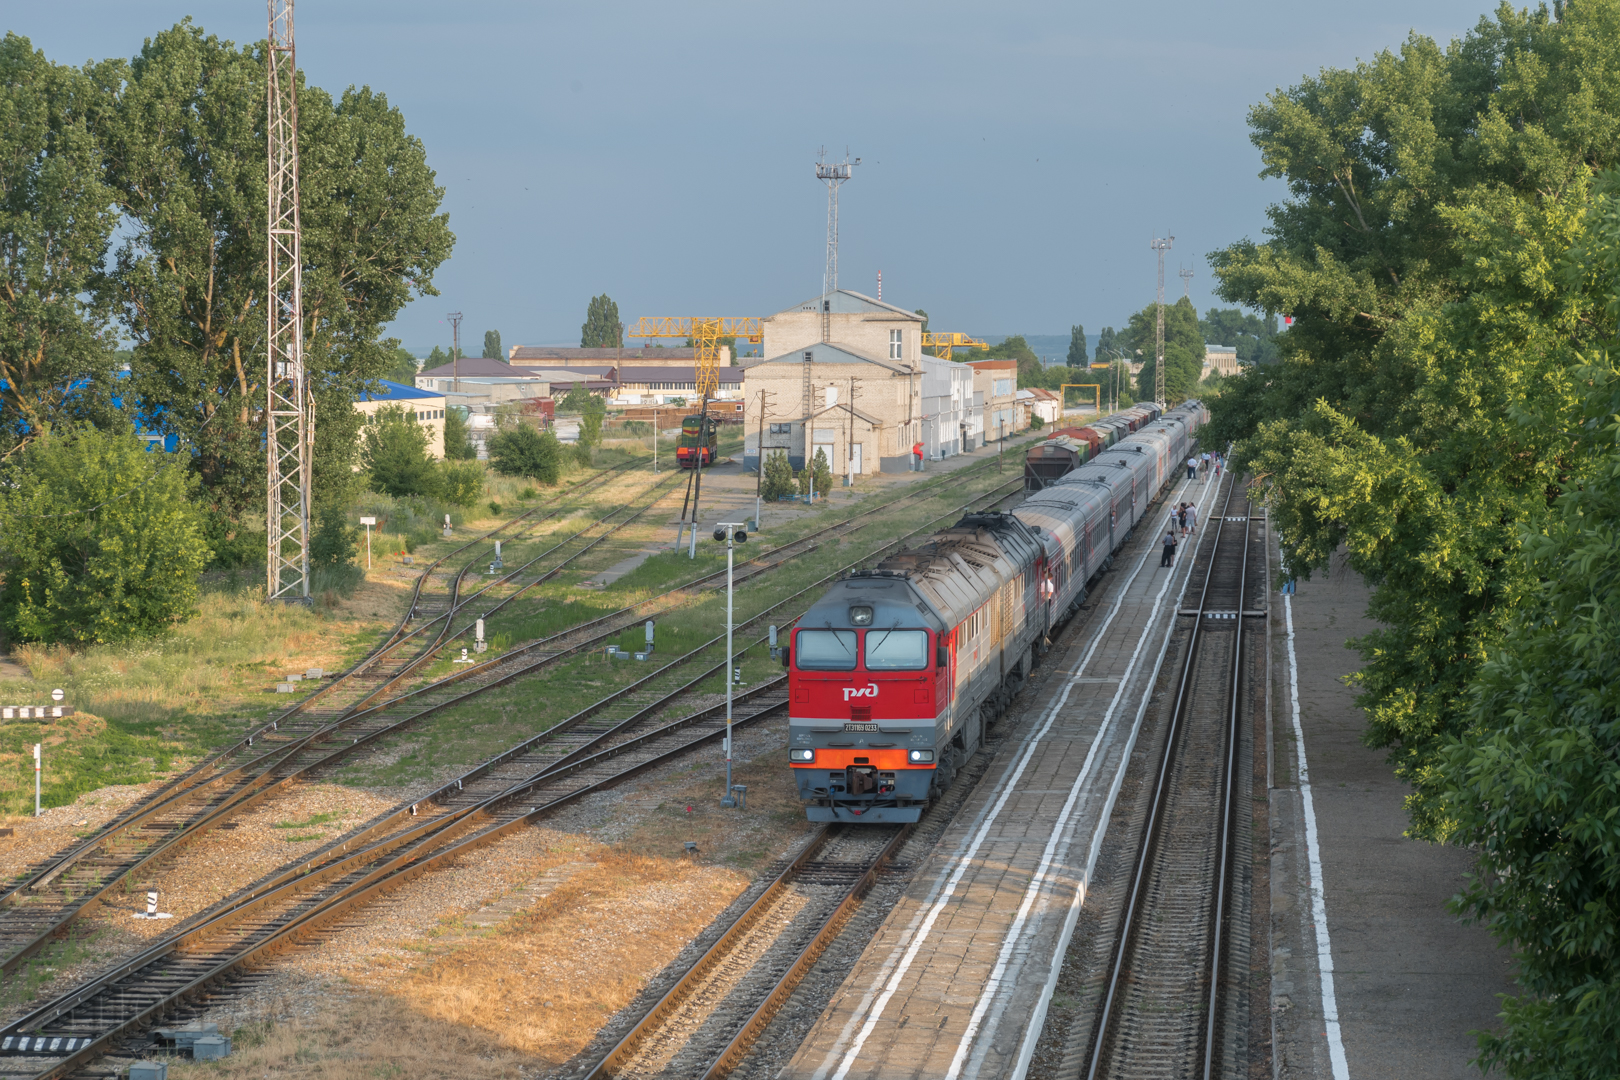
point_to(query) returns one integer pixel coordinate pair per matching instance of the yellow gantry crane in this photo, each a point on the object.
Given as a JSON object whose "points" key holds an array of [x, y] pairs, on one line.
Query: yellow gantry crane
{"points": [[705, 335], [942, 344]]}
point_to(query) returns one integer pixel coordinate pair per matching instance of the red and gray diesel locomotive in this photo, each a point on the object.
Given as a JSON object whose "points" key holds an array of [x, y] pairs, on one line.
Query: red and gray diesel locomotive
{"points": [[895, 672]]}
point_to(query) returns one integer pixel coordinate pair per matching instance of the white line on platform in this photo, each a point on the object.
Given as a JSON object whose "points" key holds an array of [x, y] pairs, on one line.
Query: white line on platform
{"points": [[1324, 949], [963, 859]]}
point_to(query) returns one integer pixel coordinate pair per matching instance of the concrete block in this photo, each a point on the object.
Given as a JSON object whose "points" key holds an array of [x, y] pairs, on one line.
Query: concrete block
{"points": [[284, 687], [148, 1070]]}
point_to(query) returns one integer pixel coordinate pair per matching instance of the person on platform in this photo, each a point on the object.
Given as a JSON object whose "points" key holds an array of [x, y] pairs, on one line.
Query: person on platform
{"points": [[1192, 468], [1219, 461], [1169, 547], [917, 452], [1192, 519], [1181, 517]]}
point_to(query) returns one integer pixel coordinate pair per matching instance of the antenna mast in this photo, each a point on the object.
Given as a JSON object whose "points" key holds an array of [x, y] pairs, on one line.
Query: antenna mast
{"points": [[290, 411], [1160, 246], [1186, 282], [833, 174]]}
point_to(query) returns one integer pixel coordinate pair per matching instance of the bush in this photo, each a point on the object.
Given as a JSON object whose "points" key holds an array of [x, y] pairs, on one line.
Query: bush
{"points": [[335, 541], [522, 451], [823, 475], [1035, 422], [393, 450], [778, 478], [101, 542], [457, 445], [459, 483], [581, 452], [494, 508], [590, 423]]}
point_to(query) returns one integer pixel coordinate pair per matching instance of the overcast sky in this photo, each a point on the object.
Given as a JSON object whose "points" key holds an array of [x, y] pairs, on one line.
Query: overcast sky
{"points": [[1016, 158]]}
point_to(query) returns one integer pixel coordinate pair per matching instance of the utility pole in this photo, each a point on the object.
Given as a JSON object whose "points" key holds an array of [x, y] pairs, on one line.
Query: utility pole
{"points": [[759, 480], [1160, 246], [731, 533], [289, 408], [1186, 274], [849, 444], [455, 350]]}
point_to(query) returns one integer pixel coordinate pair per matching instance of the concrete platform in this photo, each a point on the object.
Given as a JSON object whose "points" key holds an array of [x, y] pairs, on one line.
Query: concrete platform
{"points": [[1408, 980], [955, 982]]}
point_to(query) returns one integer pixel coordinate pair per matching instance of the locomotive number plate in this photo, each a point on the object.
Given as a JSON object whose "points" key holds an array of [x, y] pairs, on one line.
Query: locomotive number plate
{"points": [[860, 727]]}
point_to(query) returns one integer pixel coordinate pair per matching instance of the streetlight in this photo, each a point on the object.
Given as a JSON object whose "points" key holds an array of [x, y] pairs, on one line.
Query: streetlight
{"points": [[730, 533]]}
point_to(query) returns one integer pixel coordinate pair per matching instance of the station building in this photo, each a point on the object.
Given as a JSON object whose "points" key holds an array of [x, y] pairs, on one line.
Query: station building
{"points": [[842, 374]]}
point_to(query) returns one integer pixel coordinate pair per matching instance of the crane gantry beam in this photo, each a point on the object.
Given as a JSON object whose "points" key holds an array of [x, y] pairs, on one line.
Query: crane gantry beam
{"points": [[705, 334], [942, 344]]}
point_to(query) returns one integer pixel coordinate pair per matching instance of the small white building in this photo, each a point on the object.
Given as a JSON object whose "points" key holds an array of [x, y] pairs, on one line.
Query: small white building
{"points": [[947, 407]]}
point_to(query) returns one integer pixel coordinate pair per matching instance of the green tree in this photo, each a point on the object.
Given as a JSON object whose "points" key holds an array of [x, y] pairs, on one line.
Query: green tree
{"points": [[1106, 347], [1016, 348], [457, 444], [1077, 346], [1433, 197], [590, 422], [404, 369], [437, 358], [1533, 781], [520, 450], [601, 329], [393, 451], [1183, 349], [459, 483], [818, 470], [56, 220], [924, 315], [182, 129], [778, 478], [334, 541], [101, 542], [492, 345], [577, 400]]}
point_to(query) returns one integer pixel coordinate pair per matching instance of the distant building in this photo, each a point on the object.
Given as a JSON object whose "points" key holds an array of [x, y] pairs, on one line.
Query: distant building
{"points": [[832, 345], [474, 380], [1221, 358], [995, 395], [602, 359], [659, 385], [1042, 403], [425, 406], [947, 407]]}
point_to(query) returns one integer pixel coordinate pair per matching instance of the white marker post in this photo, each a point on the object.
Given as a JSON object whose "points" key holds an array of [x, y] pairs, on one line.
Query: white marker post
{"points": [[731, 533], [368, 522], [480, 643], [36, 779]]}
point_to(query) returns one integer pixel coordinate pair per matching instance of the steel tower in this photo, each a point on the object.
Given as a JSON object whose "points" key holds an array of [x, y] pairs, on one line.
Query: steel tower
{"points": [[290, 411], [1160, 246]]}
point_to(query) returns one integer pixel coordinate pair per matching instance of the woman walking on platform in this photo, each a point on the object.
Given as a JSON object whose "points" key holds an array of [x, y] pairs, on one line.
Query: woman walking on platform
{"points": [[1169, 547]]}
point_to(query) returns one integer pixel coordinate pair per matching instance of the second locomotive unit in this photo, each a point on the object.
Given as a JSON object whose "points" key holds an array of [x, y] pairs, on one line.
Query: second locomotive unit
{"points": [[895, 672]]}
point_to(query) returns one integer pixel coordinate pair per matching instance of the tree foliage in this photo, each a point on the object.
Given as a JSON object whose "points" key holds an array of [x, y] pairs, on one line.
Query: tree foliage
{"points": [[182, 131], [520, 450], [778, 478], [817, 473], [1014, 348], [492, 345], [56, 219], [405, 369], [393, 451], [1434, 195], [601, 329], [1183, 349], [924, 315], [101, 540], [1077, 346], [457, 443]]}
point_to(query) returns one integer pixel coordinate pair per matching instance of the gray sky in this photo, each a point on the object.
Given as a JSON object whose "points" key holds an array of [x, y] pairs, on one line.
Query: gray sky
{"points": [[1016, 157]]}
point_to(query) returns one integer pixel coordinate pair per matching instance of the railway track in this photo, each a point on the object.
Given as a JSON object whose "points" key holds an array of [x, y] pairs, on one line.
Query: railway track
{"points": [[311, 735], [707, 1022], [595, 749], [1169, 1005]]}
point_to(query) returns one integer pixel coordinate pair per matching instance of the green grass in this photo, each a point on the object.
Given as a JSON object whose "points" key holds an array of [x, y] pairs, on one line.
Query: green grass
{"points": [[313, 819], [299, 838]]}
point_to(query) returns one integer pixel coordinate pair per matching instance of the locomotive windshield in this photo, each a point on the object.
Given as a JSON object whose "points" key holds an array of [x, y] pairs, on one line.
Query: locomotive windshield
{"points": [[897, 650], [826, 650]]}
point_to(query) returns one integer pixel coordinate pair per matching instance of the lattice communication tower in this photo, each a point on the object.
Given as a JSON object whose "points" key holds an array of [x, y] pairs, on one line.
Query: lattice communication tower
{"points": [[290, 411], [833, 174], [1160, 246]]}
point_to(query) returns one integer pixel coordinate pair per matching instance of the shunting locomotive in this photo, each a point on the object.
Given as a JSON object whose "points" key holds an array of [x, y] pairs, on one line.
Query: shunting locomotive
{"points": [[699, 443], [895, 672]]}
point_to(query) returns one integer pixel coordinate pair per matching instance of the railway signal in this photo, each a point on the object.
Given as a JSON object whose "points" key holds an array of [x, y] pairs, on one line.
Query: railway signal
{"points": [[729, 533]]}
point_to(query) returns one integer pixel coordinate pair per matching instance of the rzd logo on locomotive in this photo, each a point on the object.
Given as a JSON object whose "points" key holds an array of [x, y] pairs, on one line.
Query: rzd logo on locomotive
{"points": [[869, 690]]}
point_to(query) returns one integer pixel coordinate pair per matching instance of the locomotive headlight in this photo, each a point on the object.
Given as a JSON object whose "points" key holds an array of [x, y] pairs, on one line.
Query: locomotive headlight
{"points": [[801, 755], [860, 615], [921, 755]]}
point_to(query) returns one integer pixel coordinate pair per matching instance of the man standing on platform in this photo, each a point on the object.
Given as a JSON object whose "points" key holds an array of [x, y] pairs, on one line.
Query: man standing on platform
{"points": [[1169, 546]]}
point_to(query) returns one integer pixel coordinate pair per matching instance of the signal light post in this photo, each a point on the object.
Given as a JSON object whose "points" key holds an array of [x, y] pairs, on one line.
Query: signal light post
{"points": [[730, 533]]}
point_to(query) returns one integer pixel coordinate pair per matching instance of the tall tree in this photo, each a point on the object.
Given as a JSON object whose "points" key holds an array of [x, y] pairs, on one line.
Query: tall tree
{"points": [[1253, 337], [1183, 349], [1077, 346], [924, 315], [1105, 344], [601, 329], [437, 358], [184, 138], [492, 345], [1016, 348], [56, 219]]}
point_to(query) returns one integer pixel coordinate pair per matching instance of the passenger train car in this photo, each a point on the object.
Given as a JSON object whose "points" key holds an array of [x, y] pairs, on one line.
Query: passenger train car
{"points": [[895, 672]]}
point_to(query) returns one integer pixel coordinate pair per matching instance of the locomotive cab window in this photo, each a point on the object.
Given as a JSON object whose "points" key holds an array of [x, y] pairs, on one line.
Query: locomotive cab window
{"points": [[825, 650], [896, 650]]}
